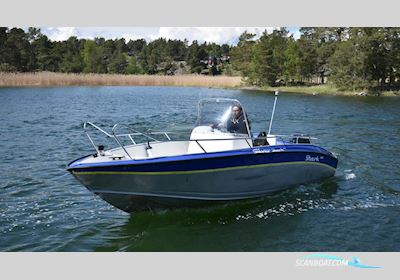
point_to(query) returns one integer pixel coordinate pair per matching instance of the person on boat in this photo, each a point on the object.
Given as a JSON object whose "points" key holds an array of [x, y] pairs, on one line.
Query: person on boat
{"points": [[237, 122]]}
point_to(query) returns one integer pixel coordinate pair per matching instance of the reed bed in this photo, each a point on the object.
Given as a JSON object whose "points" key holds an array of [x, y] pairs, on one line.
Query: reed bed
{"points": [[45, 79]]}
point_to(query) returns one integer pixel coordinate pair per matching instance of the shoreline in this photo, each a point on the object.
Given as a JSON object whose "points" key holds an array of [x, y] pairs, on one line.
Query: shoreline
{"points": [[324, 90], [52, 79]]}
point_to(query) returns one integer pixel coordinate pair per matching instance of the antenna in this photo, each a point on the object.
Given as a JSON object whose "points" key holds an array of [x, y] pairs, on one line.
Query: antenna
{"points": [[273, 112]]}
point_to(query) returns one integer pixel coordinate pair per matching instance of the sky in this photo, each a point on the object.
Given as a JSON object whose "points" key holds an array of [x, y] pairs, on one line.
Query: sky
{"points": [[220, 35]]}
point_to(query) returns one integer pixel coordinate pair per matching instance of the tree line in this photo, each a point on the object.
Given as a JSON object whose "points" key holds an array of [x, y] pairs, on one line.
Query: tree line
{"points": [[32, 51], [349, 57]]}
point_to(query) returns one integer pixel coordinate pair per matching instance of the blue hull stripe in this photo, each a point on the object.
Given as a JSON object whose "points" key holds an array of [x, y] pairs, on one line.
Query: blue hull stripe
{"points": [[246, 157], [108, 172]]}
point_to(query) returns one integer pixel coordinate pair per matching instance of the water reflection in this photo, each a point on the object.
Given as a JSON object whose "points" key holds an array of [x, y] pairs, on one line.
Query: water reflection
{"points": [[217, 228]]}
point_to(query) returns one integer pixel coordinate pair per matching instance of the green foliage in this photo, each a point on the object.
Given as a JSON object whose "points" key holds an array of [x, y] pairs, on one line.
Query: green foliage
{"points": [[133, 66], [228, 70], [15, 49], [347, 66], [348, 58], [118, 63], [269, 57], [92, 58], [196, 54], [292, 61], [30, 50], [308, 59], [241, 55], [71, 59], [135, 47]]}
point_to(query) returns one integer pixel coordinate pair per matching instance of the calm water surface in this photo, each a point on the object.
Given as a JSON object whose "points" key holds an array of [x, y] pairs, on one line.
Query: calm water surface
{"points": [[43, 208]]}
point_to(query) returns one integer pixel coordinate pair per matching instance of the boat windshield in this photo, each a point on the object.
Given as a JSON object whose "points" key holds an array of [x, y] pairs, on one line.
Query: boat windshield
{"points": [[226, 115]]}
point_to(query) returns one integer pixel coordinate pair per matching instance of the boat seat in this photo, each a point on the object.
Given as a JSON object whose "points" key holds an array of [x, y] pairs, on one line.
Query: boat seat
{"points": [[201, 138]]}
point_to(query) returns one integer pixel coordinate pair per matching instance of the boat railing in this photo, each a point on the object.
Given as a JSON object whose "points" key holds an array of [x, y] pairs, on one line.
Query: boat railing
{"points": [[117, 137], [86, 125], [132, 136], [136, 133]]}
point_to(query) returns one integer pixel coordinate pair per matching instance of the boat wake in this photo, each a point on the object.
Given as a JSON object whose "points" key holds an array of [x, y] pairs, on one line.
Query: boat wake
{"points": [[348, 174], [304, 205]]}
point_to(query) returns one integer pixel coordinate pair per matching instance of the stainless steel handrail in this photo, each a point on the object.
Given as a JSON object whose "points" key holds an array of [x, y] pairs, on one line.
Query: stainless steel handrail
{"points": [[119, 142], [85, 124], [135, 133], [116, 136]]}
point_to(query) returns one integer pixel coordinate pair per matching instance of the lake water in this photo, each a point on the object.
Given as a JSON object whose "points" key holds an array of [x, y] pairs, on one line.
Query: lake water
{"points": [[43, 208]]}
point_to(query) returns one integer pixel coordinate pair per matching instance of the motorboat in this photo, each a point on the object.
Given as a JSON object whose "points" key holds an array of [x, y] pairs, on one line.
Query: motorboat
{"points": [[221, 161]]}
